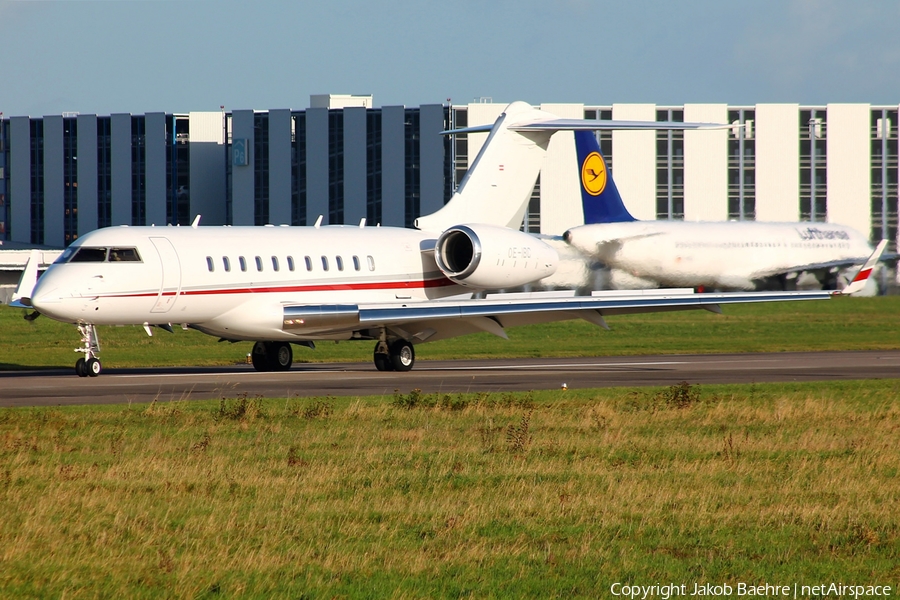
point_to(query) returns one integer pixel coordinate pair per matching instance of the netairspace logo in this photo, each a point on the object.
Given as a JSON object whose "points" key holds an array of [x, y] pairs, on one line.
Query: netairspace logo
{"points": [[765, 590]]}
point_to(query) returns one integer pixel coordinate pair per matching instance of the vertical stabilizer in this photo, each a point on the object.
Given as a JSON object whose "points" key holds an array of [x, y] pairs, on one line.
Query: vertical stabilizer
{"points": [[600, 198], [498, 185]]}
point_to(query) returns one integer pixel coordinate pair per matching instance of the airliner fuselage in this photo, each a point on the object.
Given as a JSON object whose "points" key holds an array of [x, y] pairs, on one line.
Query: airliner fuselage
{"points": [[728, 255]]}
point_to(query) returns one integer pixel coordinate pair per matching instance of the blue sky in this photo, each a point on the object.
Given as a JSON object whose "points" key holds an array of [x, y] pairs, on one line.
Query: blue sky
{"points": [[108, 56]]}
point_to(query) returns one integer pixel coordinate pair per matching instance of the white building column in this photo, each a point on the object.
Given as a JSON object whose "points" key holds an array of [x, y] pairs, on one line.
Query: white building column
{"points": [[849, 164], [706, 164], [777, 162], [634, 168]]}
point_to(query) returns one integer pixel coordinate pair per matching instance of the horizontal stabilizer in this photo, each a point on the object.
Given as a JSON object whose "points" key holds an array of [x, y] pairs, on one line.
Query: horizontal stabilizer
{"points": [[596, 125]]}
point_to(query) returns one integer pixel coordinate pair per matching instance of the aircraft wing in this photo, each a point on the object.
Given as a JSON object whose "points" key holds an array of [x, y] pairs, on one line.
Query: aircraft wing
{"points": [[421, 321]]}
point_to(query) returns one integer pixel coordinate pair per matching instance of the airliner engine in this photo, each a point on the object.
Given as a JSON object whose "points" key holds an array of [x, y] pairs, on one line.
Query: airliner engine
{"points": [[491, 257]]}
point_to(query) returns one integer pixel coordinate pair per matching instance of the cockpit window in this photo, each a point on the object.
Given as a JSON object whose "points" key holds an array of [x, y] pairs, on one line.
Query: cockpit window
{"points": [[124, 255], [87, 254], [65, 256]]}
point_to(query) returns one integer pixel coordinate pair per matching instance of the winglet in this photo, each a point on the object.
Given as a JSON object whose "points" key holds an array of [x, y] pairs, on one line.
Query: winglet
{"points": [[21, 298], [859, 282]]}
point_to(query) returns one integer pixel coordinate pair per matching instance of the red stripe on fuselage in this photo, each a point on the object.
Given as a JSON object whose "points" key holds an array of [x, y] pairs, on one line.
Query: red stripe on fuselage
{"points": [[331, 287]]}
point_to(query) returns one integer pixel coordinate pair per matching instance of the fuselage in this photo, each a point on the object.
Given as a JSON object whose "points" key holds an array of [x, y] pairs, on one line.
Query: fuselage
{"points": [[233, 281], [731, 255]]}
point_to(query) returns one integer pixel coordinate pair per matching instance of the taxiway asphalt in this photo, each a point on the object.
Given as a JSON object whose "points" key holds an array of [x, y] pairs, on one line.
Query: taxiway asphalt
{"points": [[63, 387]]}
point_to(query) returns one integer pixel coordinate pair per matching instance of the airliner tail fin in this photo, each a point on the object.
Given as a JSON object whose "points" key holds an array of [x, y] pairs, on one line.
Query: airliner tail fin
{"points": [[600, 197]]}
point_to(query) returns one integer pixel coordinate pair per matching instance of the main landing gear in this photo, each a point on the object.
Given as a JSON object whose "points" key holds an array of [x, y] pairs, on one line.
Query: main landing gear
{"points": [[89, 364], [396, 356], [272, 356]]}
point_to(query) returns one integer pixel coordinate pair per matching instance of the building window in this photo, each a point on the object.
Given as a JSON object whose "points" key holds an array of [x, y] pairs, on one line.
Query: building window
{"points": [[742, 165], [37, 181], [178, 170], [413, 186], [70, 179], [336, 166], [373, 167], [261, 168], [138, 171], [884, 122], [104, 172], [298, 168], [670, 167], [813, 165]]}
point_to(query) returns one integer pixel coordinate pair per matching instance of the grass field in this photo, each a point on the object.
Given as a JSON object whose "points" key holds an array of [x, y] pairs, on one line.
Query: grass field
{"points": [[840, 324], [544, 495]]}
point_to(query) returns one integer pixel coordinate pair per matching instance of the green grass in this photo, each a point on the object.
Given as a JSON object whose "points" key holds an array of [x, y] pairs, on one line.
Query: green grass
{"points": [[840, 324], [546, 494]]}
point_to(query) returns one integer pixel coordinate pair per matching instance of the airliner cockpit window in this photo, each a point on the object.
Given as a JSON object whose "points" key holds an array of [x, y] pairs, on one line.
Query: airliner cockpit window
{"points": [[124, 255], [89, 255]]}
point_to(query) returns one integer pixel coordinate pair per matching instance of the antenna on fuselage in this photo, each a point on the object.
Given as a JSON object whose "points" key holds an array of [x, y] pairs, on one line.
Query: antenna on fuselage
{"points": [[195, 222], [318, 221], [362, 222]]}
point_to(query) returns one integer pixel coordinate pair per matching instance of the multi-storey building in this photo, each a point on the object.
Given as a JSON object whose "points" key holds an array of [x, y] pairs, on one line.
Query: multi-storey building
{"points": [[343, 159]]}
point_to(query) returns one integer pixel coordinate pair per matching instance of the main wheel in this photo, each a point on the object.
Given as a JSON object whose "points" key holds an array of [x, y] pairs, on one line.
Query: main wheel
{"points": [[383, 361], [259, 356], [93, 367], [280, 356], [402, 355], [81, 368]]}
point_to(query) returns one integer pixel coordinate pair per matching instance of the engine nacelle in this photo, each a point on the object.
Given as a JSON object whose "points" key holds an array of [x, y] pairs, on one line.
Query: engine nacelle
{"points": [[488, 257]]}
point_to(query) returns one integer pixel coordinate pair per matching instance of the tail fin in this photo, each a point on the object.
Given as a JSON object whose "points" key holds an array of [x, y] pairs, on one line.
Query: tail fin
{"points": [[498, 185], [600, 198]]}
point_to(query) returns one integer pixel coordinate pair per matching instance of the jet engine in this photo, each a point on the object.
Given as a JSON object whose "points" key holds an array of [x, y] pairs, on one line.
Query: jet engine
{"points": [[491, 257]]}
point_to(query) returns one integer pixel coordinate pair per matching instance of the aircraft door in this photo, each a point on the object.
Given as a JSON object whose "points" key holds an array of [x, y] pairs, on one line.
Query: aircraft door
{"points": [[170, 287]]}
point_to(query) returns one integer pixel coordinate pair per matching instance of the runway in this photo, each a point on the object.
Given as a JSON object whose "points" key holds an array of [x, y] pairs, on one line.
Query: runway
{"points": [[62, 387]]}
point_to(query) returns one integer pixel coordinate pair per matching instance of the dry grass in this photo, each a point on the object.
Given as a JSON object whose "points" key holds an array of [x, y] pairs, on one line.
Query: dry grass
{"points": [[552, 494]]}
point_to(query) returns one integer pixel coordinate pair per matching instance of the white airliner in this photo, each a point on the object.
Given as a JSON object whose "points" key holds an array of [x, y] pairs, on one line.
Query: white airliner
{"points": [[278, 286], [733, 255]]}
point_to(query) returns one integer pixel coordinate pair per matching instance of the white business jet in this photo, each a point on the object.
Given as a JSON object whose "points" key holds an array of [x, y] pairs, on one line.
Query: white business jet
{"points": [[741, 255], [278, 286]]}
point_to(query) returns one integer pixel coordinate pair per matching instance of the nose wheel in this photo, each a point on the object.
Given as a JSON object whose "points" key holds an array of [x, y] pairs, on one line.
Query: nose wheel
{"points": [[89, 365]]}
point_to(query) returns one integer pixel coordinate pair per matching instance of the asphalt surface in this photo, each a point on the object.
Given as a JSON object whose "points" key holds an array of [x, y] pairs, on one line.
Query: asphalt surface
{"points": [[63, 387]]}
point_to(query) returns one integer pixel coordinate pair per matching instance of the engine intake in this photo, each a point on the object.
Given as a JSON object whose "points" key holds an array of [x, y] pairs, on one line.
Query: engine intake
{"points": [[491, 257]]}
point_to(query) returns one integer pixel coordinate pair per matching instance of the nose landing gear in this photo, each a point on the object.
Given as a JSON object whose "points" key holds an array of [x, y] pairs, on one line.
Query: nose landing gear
{"points": [[89, 365]]}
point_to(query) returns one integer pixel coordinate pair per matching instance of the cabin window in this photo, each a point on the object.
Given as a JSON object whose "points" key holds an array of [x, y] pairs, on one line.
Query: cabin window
{"points": [[89, 255], [340, 263], [290, 260], [258, 264], [325, 263], [243, 262], [124, 255], [227, 263], [308, 263], [356, 263], [209, 264], [371, 261], [274, 263]]}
